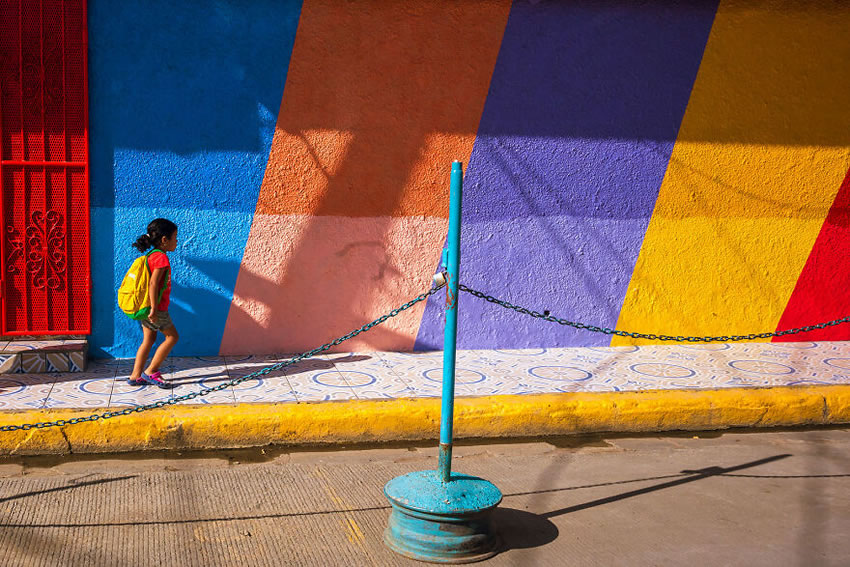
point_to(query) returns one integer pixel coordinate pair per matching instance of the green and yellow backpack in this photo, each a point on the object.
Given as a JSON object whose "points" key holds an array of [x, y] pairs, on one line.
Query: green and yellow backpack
{"points": [[133, 294]]}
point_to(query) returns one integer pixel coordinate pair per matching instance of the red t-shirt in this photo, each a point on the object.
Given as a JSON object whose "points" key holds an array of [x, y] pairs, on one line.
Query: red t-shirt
{"points": [[160, 260]]}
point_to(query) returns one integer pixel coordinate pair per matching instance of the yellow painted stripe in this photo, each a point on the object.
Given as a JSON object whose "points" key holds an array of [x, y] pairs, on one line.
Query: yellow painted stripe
{"points": [[760, 156], [360, 421]]}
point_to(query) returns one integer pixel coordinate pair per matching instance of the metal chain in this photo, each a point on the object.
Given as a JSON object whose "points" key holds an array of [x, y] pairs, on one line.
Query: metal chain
{"points": [[393, 313], [650, 336], [235, 381]]}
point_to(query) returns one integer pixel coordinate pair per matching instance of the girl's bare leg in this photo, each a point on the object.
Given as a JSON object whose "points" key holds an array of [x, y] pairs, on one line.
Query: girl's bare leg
{"points": [[148, 338], [171, 338]]}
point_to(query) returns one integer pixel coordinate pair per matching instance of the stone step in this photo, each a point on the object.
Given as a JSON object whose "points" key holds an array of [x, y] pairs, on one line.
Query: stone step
{"points": [[41, 356]]}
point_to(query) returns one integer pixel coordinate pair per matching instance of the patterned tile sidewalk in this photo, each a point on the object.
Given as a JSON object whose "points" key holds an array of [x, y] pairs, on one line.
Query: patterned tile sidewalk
{"points": [[379, 375]]}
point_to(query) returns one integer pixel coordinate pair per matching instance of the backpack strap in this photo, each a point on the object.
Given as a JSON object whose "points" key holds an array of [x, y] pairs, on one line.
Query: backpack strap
{"points": [[167, 275], [148, 257]]}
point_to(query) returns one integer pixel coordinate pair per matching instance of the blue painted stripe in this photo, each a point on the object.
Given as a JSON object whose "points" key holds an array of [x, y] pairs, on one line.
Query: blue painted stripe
{"points": [[183, 105]]}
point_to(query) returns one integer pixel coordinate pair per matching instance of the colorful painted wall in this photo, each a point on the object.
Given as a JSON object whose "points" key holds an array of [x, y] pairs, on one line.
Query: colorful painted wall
{"points": [[664, 167]]}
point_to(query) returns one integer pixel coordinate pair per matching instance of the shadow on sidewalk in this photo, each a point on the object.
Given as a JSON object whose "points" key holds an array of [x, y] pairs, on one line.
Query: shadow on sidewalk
{"points": [[309, 364], [12, 382]]}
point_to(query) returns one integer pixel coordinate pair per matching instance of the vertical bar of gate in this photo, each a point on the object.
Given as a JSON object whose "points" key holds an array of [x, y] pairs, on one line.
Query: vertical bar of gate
{"points": [[87, 165], [2, 216], [450, 337], [24, 176], [26, 182], [65, 156], [21, 74], [41, 85], [46, 158], [47, 187], [66, 178]]}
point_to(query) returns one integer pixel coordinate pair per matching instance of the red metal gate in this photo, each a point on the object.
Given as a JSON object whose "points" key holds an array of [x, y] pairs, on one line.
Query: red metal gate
{"points": [[45, 283]]}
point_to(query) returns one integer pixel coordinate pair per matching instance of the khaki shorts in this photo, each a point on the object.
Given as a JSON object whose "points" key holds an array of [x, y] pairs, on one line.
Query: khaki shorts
{"points": [[162, 320]]}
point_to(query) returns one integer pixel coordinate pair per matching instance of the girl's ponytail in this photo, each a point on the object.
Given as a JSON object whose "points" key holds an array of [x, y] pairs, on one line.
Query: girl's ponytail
{"points": [[142, 243], [157, 229]]}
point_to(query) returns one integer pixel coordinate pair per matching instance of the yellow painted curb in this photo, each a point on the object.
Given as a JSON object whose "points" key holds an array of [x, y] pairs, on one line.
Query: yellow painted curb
{"points": [[251, 425]]}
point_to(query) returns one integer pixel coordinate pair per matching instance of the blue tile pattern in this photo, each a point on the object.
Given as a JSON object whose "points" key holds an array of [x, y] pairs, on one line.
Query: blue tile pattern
{"points": [[387, 375]]}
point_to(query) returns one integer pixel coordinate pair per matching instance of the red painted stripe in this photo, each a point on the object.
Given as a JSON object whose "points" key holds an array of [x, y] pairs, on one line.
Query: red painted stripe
{"points": [[822, 292]]}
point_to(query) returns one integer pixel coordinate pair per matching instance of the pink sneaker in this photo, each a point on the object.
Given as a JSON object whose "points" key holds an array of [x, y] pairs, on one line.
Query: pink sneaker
{"points": [[155, 379], [137, 381]]}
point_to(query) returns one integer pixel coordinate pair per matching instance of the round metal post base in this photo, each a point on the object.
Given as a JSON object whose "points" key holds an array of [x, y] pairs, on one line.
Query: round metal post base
{"points": [[441, 522]]}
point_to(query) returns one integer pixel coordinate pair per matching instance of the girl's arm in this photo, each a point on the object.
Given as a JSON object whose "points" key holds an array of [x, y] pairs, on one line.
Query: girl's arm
{"points": [[153, 288]]}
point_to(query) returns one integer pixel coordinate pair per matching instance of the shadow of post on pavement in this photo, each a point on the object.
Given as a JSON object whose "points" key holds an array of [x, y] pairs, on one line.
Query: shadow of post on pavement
{"points": [[519, 529], [693, 476]]}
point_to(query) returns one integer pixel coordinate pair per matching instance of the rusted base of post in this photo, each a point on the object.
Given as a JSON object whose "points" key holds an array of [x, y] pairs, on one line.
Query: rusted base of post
{"points": [[444, 463]]}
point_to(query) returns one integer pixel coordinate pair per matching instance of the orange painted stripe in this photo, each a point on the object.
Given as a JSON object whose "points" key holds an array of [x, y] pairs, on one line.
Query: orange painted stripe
{"points": [[380, 97]]}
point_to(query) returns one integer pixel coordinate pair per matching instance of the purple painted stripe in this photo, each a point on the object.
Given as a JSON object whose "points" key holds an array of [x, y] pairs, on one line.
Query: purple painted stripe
{"points": [[583, 111]]}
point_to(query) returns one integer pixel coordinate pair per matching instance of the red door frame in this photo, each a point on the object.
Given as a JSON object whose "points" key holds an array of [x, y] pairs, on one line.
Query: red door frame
{"points": [[45, 283]]}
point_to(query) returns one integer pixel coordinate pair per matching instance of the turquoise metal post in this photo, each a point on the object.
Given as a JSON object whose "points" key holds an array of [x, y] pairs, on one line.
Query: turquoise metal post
{"points": [[437, 515], [450, 333]]}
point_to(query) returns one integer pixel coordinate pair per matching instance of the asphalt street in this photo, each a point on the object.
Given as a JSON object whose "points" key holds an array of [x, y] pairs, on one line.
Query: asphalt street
{"points": [[735, 498]]}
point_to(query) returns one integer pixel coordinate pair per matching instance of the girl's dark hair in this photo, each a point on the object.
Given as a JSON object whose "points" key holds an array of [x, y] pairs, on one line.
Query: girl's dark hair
{"points": [[156, 230]]}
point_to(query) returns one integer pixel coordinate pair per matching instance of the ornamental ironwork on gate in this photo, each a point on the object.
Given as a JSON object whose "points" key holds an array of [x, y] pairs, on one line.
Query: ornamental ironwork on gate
{"points": [[45, 280]]}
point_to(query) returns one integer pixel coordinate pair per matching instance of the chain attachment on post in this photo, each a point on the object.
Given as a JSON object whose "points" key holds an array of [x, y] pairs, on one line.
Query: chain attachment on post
{"points": [[451, 298]]}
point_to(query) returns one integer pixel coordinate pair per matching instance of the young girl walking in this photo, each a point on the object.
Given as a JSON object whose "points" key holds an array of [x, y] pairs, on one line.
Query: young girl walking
{"points": [[162, 237]]}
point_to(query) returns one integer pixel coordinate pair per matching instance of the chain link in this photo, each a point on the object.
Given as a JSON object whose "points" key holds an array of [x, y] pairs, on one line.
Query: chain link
{"points": [[235, 381], [650, 336]]}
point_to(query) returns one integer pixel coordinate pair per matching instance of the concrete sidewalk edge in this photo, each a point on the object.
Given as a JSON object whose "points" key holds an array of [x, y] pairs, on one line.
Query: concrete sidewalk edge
{"points": [[190, 427]]}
